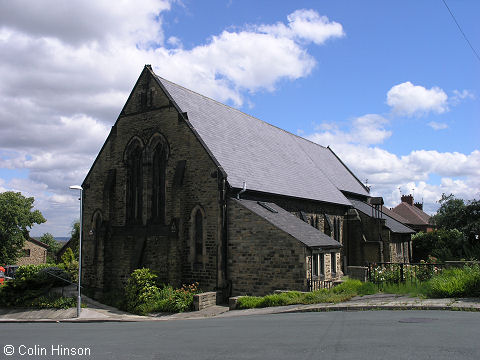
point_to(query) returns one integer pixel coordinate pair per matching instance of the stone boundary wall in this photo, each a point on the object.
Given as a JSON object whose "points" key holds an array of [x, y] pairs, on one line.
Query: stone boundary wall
{"points": [[358, 272], [206, 299]]}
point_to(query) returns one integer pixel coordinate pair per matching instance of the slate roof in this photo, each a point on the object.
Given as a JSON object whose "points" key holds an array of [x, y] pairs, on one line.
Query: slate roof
{"points": [[394, 215], [390, 222], [267, 158], [412, 214], [291, 224]]}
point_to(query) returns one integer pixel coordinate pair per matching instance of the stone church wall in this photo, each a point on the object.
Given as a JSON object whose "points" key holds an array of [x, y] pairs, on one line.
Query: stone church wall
{"points": [[262, 258], [114, 250]]}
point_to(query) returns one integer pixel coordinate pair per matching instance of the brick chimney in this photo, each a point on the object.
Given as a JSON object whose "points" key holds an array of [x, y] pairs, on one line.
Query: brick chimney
{"points": [[419, 205], [407, 199]]}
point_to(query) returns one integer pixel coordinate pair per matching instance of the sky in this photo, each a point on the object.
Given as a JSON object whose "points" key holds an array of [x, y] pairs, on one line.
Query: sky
{"points": [[391, 86]]}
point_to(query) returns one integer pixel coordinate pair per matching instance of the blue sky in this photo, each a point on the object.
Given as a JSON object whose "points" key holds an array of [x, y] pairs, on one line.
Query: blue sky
{"points": [[392, 87]]}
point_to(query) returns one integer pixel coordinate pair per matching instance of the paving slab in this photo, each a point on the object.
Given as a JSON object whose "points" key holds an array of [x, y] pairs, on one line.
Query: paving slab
{"points": [[97, 312]]}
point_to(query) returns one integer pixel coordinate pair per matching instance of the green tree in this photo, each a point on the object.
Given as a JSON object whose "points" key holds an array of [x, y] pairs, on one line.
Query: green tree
{"points": [[53, 246], [16, 219], [455, 217], [451, 214], [442, 244], [75, 237]]}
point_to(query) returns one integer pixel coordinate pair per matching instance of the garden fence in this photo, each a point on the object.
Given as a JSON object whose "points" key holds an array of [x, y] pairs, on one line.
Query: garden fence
{"points": [[316, 284], [395, 273]]}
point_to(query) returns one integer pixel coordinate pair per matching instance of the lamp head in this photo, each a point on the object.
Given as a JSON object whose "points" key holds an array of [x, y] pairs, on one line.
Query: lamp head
{"points": [[76, 187]]}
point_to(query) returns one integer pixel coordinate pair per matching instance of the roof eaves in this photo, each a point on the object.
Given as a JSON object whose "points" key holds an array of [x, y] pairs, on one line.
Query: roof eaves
{"points": [[35, 241], [326, 246]]}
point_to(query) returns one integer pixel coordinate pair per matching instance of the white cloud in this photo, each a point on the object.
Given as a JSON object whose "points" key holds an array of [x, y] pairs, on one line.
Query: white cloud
{"points": [[68, 67], [437, 125], [78, 22], [386, 172], [366, 130], [414, 100], [306, 25], [459, 96]]}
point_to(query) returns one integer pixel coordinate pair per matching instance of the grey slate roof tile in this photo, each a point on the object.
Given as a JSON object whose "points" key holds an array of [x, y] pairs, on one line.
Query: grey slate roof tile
{"points": [[267, 158], [292, 225], [390, 222]]}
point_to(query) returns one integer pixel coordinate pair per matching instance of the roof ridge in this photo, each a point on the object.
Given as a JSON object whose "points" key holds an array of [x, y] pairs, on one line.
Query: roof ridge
{"points": [[411, 209], [240, 111]]}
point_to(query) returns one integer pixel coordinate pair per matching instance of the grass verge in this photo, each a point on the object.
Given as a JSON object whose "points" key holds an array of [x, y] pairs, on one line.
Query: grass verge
{"points": [[340, 293]]}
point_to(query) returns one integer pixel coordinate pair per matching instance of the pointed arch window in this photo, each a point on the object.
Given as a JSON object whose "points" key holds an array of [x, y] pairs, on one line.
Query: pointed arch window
{"points": [[198, 233], [134, 203]]}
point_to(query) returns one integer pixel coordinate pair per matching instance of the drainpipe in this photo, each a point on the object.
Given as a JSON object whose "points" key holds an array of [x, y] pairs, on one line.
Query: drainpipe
{"points": [[243, 190], [222, 187]]}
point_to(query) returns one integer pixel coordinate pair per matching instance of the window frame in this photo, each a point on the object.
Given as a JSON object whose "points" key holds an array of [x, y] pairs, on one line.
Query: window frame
{"points": [[333, 263]]}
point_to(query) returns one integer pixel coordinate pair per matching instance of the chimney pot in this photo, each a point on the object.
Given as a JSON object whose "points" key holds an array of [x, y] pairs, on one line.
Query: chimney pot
{"points": [[407, 199]]}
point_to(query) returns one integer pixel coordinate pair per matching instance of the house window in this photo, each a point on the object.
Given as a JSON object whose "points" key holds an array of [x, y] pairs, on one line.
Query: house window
{"points": [[333, 263], [315, 265], [26, 252], [134, 183], [398, 249], [322, 264], [198, 235], [158, 184], [312, 220]]}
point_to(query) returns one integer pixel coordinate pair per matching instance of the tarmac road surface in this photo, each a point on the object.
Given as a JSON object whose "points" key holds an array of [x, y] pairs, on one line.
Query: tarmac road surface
{"points": [[326, 335]]}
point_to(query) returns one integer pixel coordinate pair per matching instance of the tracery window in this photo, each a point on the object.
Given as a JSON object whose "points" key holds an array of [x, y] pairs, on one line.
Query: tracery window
{"points": [[134, 203]]}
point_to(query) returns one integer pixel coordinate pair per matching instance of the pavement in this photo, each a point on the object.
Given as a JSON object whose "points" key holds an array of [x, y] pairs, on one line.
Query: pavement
{"points": [[97, 312]]}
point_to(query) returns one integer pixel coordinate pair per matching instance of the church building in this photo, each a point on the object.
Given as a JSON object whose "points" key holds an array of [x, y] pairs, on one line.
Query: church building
{"points": [[198, 191]]}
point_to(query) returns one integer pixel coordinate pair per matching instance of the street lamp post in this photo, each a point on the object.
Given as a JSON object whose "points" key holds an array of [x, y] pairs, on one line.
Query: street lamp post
{"points": [[79, 299]]}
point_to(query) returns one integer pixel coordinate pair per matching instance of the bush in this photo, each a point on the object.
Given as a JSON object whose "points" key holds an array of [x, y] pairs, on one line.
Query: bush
{"points": [[457, 282], [32, 282], [143, 296], [141, 292], [442, 244], [176, 300], [70, 264], [52, 302]]}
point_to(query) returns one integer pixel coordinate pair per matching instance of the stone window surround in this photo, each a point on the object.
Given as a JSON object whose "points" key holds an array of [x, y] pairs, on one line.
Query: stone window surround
{"points": [[193, 258], [147, 155], [320, 262]]}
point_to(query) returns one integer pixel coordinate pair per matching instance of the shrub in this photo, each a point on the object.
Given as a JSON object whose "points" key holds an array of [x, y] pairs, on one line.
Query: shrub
{"points": [[32, 282], [442, 243], [70, 264], [457, 282], [141, 292], [176, 300], [52, 302]]}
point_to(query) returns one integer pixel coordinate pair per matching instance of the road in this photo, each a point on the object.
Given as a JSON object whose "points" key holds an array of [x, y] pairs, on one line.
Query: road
{"points": [[329, 335]]}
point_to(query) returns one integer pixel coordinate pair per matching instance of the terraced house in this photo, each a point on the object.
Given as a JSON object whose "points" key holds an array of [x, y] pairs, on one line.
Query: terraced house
{"points": [[199, 191]]}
